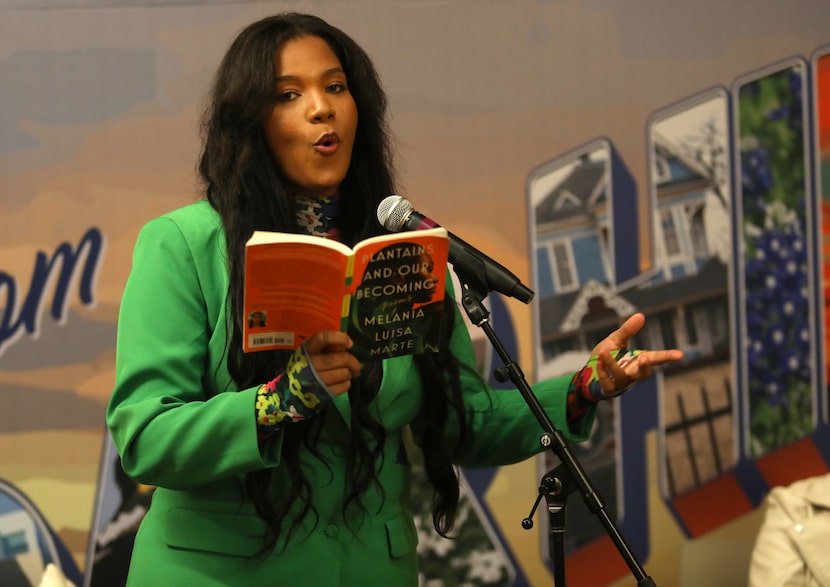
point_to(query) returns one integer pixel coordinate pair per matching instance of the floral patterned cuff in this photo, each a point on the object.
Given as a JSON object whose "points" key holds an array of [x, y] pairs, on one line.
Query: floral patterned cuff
{"points": [[296, 394]]}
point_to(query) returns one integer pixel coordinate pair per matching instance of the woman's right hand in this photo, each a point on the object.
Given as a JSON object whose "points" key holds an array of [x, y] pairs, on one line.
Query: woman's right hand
{"points": [[335, 367]]}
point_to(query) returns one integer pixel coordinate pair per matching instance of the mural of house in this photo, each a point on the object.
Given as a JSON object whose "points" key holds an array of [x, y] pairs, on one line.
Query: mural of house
{"points": [[684, 295], [27, 542]]}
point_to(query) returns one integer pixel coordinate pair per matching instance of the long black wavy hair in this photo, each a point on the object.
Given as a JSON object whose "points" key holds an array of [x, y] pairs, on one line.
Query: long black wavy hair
{"points": [[245, 186]]}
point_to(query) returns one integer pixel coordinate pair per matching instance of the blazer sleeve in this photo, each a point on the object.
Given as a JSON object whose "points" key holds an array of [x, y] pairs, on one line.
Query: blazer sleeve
{"points": [[170, 424], [501, 428]]}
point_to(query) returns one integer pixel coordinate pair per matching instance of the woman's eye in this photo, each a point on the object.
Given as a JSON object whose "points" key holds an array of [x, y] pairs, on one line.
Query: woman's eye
{"points": [[336, 88], [287, 96]]}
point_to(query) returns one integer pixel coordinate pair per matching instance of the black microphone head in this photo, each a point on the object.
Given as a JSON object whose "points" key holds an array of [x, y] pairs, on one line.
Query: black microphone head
{"points": [[393, 212]]}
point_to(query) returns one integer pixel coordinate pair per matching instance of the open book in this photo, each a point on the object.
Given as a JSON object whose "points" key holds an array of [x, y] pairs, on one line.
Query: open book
{"points": [[387, 292]]}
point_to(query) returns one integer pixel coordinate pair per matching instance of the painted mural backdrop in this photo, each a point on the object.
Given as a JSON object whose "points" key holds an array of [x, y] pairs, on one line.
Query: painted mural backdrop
{"points": [[619, 157]]}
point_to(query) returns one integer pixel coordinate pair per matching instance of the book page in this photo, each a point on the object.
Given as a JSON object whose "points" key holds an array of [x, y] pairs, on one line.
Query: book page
{"points": [[292, 290]]}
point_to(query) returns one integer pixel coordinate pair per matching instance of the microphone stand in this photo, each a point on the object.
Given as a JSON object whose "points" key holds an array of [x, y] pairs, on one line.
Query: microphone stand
{"points": [[569, 476]]}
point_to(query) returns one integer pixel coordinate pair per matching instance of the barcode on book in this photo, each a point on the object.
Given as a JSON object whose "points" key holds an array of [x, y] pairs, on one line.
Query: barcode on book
{"points": [[271, 339]]}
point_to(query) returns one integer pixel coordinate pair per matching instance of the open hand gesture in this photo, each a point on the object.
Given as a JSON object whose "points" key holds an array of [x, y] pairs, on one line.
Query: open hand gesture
{"points": [[618, 373]]}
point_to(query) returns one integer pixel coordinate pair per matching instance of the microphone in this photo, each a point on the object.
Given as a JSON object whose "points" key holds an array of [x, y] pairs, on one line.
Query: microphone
{"points": [[395, 213]]}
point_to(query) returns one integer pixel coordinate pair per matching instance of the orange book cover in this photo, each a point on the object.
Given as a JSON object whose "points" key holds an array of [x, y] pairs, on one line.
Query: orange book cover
{"points": [[387, 291]]}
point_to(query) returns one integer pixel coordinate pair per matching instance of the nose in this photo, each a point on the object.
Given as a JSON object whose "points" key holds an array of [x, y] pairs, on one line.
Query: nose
{"points": [[321, 107]]}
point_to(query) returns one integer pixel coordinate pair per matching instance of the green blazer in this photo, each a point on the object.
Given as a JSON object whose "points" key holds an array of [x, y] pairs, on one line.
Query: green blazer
{"points": [[179, 423]]}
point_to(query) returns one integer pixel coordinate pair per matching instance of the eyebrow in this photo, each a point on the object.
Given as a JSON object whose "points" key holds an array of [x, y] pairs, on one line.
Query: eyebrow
{"points": [[328, 72]]}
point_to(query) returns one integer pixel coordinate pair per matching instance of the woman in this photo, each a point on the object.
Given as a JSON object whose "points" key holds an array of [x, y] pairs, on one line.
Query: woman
{"points": [[289, 468]]}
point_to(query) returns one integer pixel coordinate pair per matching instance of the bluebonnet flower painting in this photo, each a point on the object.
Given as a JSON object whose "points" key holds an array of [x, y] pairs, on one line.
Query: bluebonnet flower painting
{"points": [[776, 264]]}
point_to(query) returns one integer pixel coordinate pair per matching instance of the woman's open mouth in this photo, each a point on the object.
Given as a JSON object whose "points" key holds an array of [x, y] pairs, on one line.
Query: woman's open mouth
{"points": [[327, 144]]}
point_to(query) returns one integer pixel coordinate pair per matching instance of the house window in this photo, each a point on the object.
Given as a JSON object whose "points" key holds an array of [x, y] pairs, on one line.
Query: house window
{"points": [[717, 323], [671, 240], [667, 331], [563, 265], [699, 234], [691, 326]]}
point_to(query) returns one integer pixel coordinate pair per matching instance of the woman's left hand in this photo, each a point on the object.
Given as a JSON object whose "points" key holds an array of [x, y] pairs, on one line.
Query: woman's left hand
{"points": [[615, 377]]}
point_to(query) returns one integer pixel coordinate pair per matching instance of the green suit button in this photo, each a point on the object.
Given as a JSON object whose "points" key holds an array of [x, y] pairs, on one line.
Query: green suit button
{"points": [[331, 530]]}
